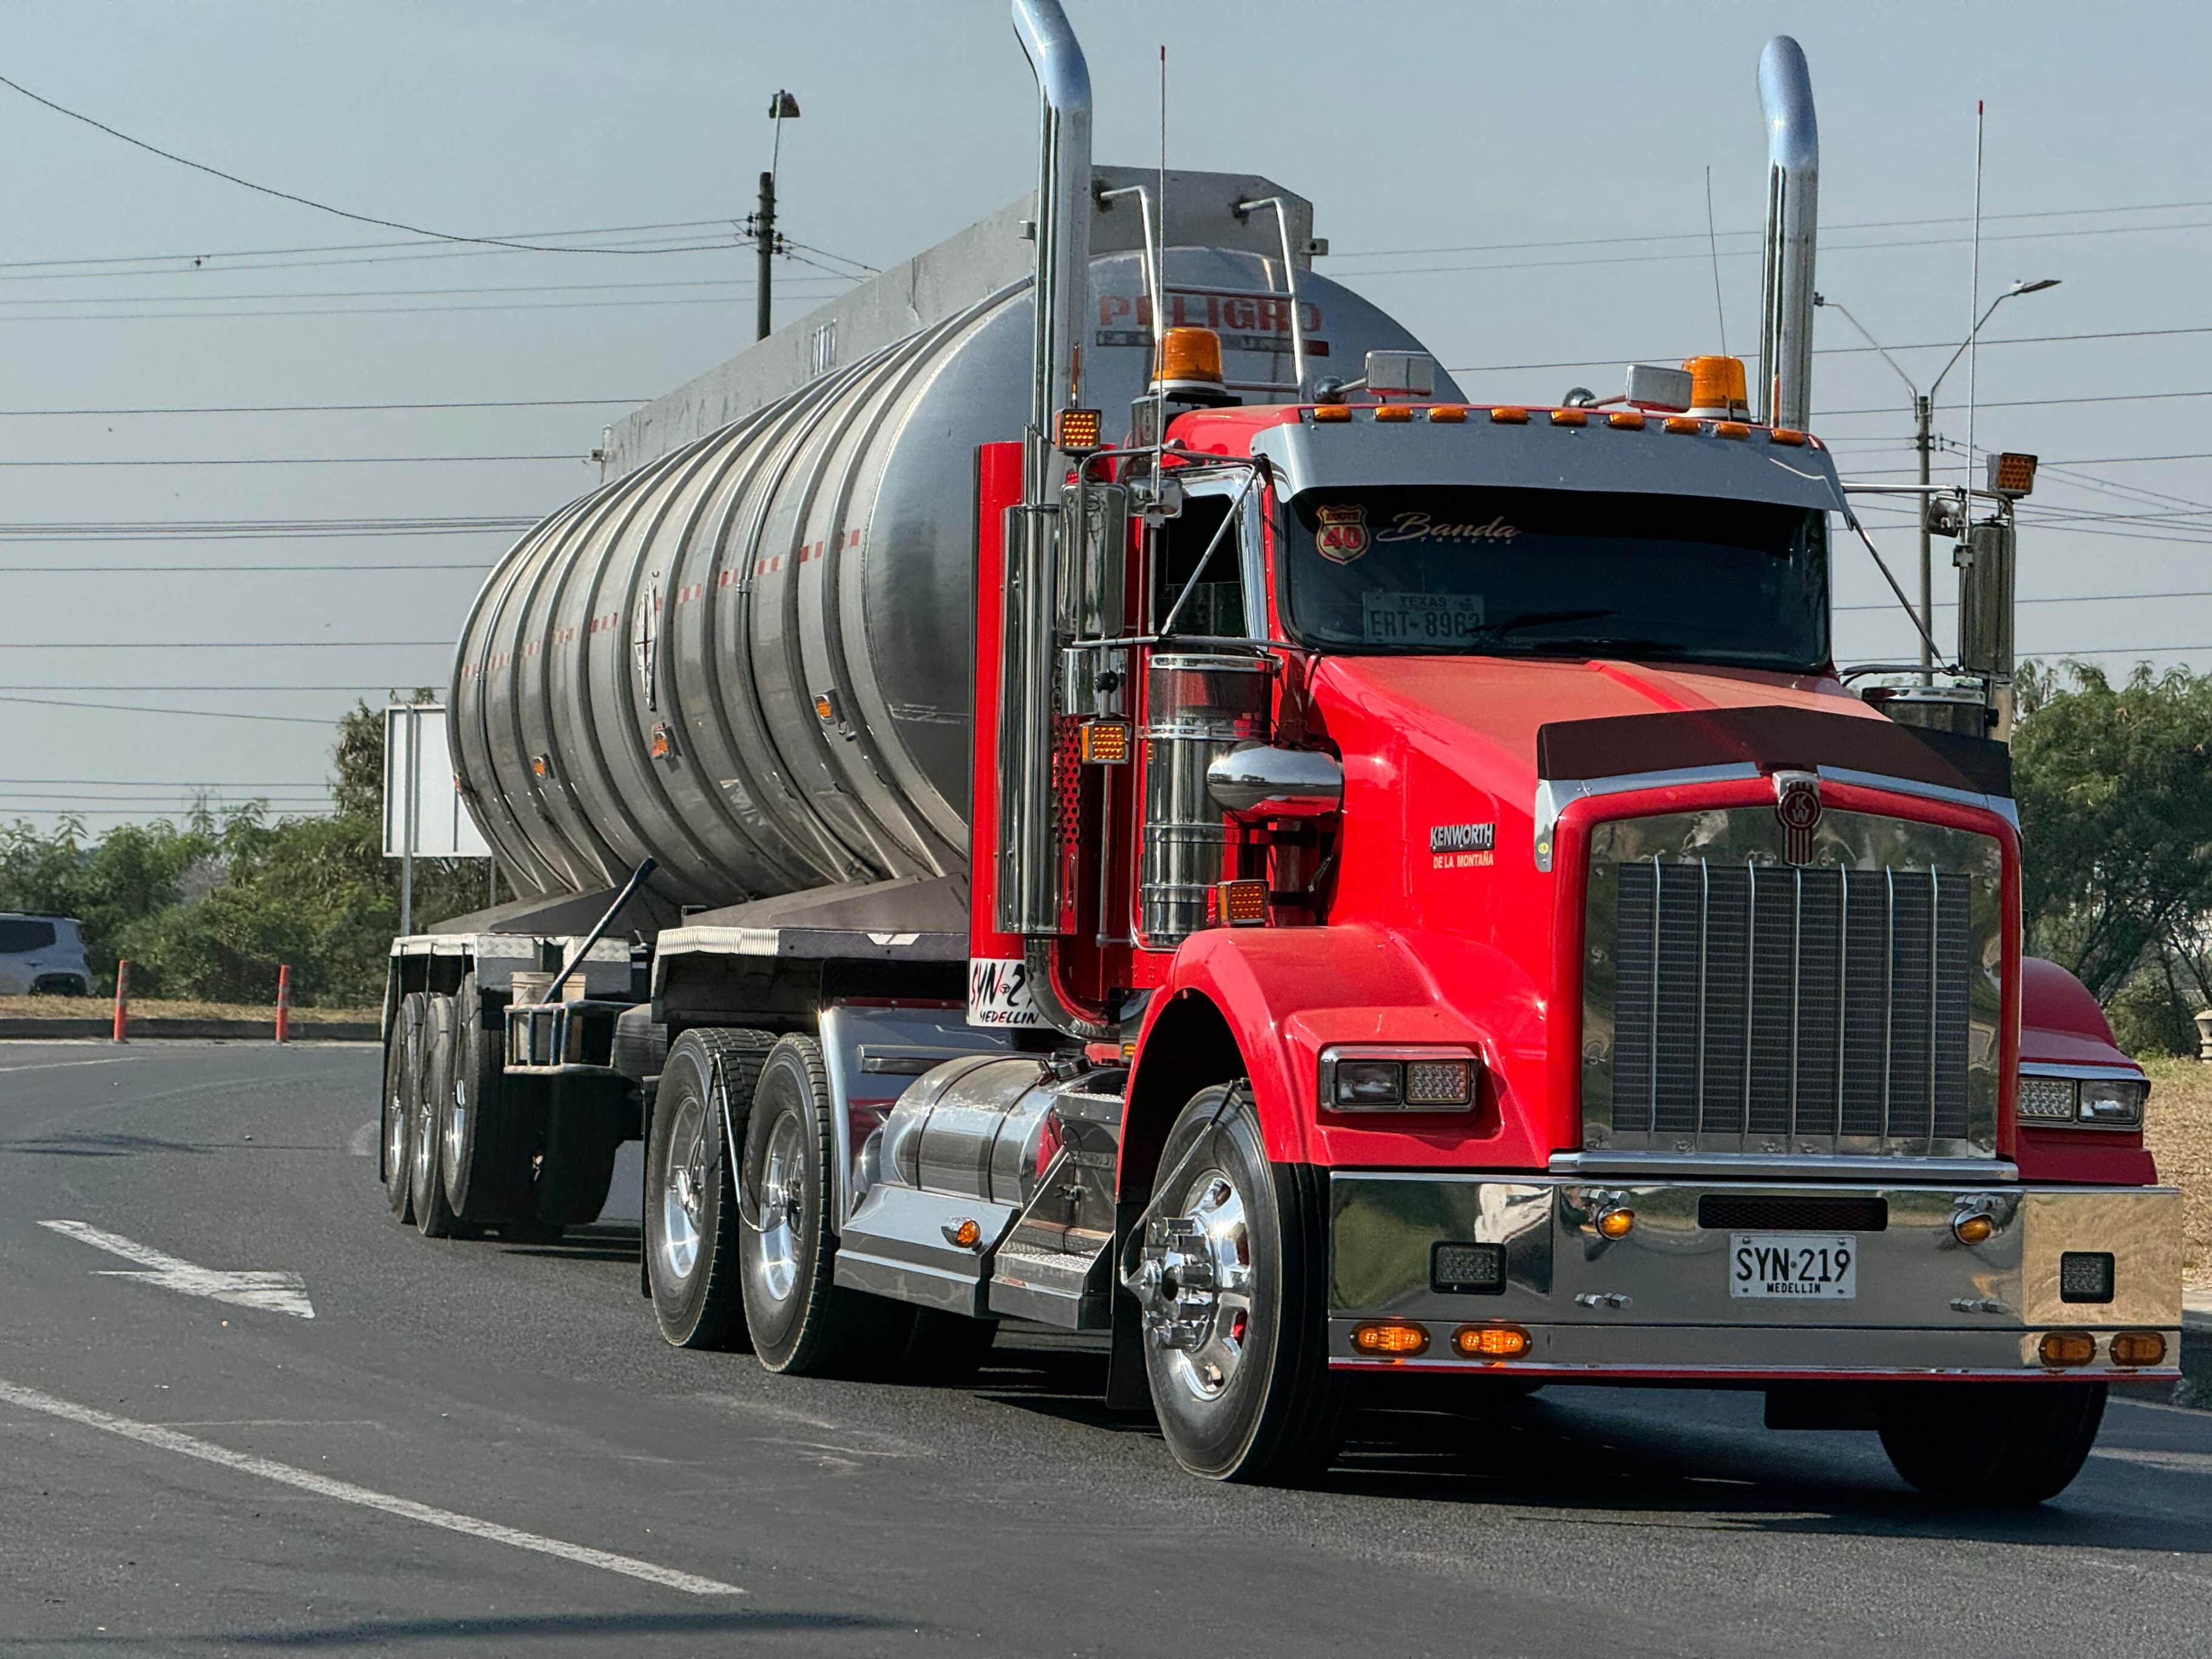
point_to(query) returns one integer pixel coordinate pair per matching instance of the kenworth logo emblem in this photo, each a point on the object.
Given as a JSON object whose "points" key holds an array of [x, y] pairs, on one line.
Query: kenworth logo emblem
{"points": [[1798, 804]]}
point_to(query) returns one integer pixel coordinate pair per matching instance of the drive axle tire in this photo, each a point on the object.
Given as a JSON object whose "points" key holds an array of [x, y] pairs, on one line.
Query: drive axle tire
{"points": [[433, 1096], [690, 1202], [800, 1320], [1241, 1389], [1991, 1443], [396, 1158]]}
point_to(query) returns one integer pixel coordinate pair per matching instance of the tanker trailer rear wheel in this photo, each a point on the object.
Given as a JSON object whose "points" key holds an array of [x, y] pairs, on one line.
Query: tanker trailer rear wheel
{"points": [[800, 1320], [1233, 1328], [484, 1128], [690, 1204], [402, 1065], [1990, 1442], [432, 1093]]}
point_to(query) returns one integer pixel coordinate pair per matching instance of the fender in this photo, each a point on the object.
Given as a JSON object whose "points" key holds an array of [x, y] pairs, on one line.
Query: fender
{"points": [[2062, 1024], [1279, 995]]}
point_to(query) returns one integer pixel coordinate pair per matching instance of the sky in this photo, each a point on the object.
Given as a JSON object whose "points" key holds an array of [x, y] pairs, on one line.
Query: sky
{"points": [[1521, 185]]}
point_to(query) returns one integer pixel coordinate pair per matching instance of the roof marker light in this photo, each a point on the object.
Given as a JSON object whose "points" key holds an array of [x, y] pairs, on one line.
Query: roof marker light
{"points": [[1688, 423], [1627, 419], [1571, 417], [1393, 411], [1328, 413], [1731, 429], [1783, 435], [1509, 414], [1450, 414]]}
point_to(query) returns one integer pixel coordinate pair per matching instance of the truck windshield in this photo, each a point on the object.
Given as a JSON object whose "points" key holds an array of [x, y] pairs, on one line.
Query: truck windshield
{"points": [[1424, 570]]}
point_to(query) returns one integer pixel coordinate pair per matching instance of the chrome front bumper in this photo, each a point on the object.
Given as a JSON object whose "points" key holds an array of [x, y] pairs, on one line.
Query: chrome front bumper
{"points": [[1657, 1303]]}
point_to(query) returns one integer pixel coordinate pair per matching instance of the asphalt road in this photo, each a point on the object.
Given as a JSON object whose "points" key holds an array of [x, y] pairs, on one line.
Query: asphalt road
{"points": [[485, 1448]]}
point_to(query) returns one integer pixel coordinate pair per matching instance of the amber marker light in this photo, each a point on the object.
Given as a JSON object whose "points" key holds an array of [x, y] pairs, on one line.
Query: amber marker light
{"points": [[1731, 429], [966, 1233], [1391, 1341], [1331, 413], [1689, 424], [1783, 435], [1393, 411], [1571, 417], [1509, 414], [1079, 430], [1627, 420], [1105, 743], [1491, 1342], [2138, 1348], [1973, 1229], [1617, 1224], [1449, 414], [2067, 1348]]}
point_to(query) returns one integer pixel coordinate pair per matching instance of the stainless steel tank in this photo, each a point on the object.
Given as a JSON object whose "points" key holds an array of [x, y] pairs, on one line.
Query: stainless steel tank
{"points": [[753, 659]]}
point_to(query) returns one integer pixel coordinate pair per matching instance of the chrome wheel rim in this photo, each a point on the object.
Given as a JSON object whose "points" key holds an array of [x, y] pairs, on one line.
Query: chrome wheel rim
{"points": [[395, 1136], [1207, 1275], [782, 1207], [426, 1137], [684, 1189], [457, 1123]]}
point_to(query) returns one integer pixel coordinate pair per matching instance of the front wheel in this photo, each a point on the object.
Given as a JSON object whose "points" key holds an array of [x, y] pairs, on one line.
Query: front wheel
{"points": [[1231, 1273], [1991, 1443]]}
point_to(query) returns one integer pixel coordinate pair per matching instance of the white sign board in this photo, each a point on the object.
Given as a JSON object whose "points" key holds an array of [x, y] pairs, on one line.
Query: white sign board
{"points": [[418, 773]]}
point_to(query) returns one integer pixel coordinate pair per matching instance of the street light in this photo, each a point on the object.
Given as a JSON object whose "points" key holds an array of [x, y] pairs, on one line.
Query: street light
{"points": [[780, 108], [1923, 413]]}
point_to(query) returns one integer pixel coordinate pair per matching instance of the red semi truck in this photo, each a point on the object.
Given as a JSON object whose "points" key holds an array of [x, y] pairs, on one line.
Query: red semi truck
{"points": [[1345, 878]]}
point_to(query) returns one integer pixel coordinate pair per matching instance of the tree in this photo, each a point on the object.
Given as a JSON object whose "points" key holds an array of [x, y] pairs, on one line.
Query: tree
{"points": [[2114, 786]]}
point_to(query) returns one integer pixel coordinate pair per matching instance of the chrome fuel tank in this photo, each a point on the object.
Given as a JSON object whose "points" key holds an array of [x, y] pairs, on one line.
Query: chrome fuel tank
{"points": [[752, 658]]}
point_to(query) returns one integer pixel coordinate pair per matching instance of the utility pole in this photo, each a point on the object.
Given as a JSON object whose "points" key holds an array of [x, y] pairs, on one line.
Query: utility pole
{"points": [[764, 244], [1923, 439], [780, 108]]}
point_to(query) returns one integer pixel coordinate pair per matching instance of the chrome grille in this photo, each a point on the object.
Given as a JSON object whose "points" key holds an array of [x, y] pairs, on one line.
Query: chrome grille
{"points": [[1738, 1004]]}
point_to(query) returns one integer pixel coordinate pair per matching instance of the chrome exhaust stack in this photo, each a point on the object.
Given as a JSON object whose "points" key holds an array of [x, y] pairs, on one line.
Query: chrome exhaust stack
{"points": [[1027, 899], [1793, 200]]}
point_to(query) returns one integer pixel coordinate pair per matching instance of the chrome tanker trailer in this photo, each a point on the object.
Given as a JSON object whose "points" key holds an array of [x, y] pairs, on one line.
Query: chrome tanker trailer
{"points": [[1086, 783]]}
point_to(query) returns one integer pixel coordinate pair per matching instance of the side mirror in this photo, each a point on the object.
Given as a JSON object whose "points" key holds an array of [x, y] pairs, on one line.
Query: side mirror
{"points": [[1409, 373], [1263, 782], [1095, 591]]}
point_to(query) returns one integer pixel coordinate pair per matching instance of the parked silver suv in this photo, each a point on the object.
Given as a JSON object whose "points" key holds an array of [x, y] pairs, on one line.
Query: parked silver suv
{"points": [[42, 956]]}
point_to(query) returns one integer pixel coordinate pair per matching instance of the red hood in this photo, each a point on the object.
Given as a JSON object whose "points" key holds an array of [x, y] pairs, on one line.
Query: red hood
{"points": [[1489, 708]]}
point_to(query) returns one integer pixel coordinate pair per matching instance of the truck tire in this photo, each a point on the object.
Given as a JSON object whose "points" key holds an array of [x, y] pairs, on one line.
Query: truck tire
{"points": [[1251, 1399], [799, 1320], [434, 1088], [486, 1131], [397, 1157], [690, 1208], [1991, 1443]]}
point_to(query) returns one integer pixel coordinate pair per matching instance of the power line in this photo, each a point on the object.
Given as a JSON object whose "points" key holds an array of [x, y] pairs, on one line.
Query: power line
{"points": [[478, 566], [255, 529], [743, 284], [342, 247], [288, 196], [1857, 351], [359, 690], [2070, 598], [162, 783], [155, 708], [363, 311], [1680, 236], [350, 408], [223, 645], [300, 460], [2008, 403]]}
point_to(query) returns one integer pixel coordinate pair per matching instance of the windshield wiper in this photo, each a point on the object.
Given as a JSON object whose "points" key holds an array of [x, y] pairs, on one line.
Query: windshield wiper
{"points": [[1540, 619]]}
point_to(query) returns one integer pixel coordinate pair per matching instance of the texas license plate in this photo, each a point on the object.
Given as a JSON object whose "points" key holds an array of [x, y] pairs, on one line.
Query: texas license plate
{"points": [[1804, 1265]]}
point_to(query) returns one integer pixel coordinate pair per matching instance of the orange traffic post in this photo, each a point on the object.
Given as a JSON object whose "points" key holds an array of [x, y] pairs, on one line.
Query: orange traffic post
{"points": [[123, 1001], [283, 1002]]}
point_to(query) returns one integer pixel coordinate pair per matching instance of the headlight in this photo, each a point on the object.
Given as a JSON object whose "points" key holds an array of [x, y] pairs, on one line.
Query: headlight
{"points": [[1359, 1078], [2101, 1102]]}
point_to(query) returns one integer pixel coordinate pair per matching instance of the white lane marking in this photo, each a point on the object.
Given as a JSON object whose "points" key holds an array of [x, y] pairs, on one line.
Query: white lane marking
{"points": [[363, 1143], [271, 1292], [345, 1492], [62, 1065]]}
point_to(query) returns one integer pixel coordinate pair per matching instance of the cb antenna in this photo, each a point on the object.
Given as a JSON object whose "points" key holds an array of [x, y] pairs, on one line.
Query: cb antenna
{"points": [[1160, 282], [1713, 242]]}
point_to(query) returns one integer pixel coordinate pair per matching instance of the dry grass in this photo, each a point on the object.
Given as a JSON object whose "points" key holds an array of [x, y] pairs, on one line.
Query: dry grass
{"points": [[160, 1008], [2179, 1132]]}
